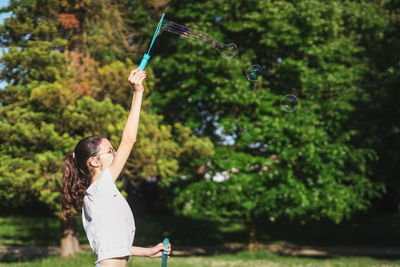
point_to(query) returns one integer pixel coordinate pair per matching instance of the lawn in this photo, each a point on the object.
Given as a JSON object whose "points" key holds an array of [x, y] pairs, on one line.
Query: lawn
{"points": [[380, 230], [363, 230], [253, 259]]}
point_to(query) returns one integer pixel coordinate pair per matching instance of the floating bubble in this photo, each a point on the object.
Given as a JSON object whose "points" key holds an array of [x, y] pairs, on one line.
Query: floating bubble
{"points": [[226, 50], [290, 103], [253, 73]]}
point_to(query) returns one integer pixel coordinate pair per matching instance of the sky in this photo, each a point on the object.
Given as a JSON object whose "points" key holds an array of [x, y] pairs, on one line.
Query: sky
{"points": [[2, 16], [3, 3]]}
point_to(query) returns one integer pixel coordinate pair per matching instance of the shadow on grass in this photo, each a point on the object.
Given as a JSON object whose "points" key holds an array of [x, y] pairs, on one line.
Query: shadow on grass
{"points": [[28, 231], [187, 231], [371, 235], [22, 254], [363, 230]]}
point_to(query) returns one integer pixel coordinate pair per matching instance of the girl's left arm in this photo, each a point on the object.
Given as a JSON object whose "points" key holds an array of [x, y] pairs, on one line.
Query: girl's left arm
{"points": [[151, 252]]}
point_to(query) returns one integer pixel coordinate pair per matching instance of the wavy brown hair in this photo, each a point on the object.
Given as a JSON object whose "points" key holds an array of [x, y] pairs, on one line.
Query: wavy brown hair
{"points": [[77, 174]]}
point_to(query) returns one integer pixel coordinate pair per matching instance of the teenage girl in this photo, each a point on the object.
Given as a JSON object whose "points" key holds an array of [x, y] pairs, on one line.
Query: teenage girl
{"points": [[89, 177]]}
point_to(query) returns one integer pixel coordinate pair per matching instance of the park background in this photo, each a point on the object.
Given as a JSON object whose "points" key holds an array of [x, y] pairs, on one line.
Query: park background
{"points": [[216, 161]]}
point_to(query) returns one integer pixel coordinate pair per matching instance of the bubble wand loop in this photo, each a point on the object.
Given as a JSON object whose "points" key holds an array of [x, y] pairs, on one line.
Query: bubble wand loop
{"points": [[146, 56], [164, 254]]}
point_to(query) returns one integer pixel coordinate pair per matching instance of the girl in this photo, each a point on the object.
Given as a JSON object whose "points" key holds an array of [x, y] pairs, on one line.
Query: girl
{"points": [[89, 176]]}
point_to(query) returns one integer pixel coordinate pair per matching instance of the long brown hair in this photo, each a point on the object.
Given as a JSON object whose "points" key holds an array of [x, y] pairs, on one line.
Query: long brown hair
{"points": [[77, 174]]}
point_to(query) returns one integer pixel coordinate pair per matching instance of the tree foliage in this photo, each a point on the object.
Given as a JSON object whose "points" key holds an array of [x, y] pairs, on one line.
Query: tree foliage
{"points": [[304, 164], [216, 143], [66, 81]]}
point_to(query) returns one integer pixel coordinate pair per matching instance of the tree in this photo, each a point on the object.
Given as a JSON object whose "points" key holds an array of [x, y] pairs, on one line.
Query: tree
{"points": [[303, 165], [378, 114], [62, 87]]}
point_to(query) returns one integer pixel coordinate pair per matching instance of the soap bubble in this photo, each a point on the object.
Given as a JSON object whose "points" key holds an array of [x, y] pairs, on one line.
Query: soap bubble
{"points": [[226, 50], [218, 19], [253, 73], [290, 103]]}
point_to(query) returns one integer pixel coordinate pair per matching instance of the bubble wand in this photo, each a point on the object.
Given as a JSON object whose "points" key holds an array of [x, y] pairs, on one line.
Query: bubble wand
{"points": [[146, 56], [164, 254]]}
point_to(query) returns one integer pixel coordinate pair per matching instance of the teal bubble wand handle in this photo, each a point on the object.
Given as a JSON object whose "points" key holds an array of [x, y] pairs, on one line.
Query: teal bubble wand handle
{"points": [[164, 254], [146, 56], [143, 63]]}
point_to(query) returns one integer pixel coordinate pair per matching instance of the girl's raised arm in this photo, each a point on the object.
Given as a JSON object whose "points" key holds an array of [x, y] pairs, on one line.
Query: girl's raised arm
{"points": [[136, 78]]}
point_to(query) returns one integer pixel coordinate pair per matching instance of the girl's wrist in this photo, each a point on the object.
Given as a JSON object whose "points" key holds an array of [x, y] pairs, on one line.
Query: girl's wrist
{"points": [[140, 91], [149, 252], [137, 87]]}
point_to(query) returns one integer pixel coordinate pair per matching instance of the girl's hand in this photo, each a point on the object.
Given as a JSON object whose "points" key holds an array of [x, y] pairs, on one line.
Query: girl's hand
{"points": [[136, 78], [158, 249]]}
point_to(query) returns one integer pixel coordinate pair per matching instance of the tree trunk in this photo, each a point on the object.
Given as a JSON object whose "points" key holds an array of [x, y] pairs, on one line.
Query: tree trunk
{"points": [[69, 237], [251, 233]]}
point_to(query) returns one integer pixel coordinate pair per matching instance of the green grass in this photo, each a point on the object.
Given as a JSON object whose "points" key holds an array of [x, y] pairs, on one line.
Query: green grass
{"points": [[32, 231], [368, 230], [24, 231], [253, 259], [374, 229]]}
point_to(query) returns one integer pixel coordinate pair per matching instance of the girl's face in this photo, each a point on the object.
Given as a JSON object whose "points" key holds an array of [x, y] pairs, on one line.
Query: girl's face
{"points": [[106, 154]]}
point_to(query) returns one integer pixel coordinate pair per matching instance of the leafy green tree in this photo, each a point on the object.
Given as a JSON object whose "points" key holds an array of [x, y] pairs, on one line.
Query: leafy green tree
{"points": [[66, 68], [302, 165], [62, 87], [378, 112]]}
